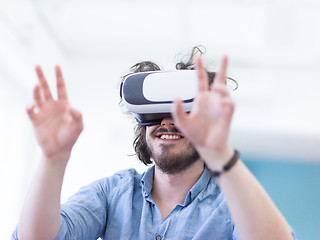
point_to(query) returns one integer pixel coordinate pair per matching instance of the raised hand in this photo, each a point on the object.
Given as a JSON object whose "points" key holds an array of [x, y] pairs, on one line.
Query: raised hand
{"points": [[208, 124], [56, 124]]}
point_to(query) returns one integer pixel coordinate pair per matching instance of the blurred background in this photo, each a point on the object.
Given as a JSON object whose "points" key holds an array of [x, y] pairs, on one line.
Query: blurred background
{"points": [[274, 52]]}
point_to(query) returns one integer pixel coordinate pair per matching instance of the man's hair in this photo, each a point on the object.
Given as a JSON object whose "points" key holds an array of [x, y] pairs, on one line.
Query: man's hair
{"points": [[140, 143]]}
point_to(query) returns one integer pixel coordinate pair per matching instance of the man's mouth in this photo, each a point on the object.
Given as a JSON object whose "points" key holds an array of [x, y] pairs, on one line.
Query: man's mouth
{"points": [[169, 136]]}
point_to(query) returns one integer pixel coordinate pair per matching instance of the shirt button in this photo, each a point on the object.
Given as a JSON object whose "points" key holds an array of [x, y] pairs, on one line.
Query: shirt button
{"points": [[158, 237]]}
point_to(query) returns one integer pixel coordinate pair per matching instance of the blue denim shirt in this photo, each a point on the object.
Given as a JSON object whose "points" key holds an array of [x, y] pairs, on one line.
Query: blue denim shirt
{"points": [[121, 207]]}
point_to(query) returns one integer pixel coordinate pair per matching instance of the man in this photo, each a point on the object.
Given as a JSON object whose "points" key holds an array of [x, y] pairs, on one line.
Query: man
{"points": [[178, 198]]}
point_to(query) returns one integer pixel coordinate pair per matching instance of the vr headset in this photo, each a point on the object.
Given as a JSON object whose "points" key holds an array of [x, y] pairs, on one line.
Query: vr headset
{"points": [[150, 95]]}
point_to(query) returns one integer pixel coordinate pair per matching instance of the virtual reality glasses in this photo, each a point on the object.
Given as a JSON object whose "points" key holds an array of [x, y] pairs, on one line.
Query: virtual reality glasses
{"points": [[150, 95]]}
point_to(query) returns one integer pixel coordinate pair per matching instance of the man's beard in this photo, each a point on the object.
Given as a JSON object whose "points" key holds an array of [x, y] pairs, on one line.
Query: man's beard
{"points": [[171, 163]]}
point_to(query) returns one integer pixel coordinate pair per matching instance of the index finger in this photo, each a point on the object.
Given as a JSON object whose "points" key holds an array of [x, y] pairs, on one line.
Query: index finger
{"points": [[202, 76], [220, 77], [61, 87], [43, 84]]}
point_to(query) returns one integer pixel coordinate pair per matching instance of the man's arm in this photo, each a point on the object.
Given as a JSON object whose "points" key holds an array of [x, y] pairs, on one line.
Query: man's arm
{"points": [[254, 213], [208, 127], [57, 127]]}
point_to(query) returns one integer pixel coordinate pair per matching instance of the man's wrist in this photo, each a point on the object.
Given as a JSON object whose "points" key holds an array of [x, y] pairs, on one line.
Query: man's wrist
{"points": [[57, 161], [230, 163]]}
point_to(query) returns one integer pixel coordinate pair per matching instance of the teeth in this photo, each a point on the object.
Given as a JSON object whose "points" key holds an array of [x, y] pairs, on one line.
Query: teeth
{"points": [[170, 136]]}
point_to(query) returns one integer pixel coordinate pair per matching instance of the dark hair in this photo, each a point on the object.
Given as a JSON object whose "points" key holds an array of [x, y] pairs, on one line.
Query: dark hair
{"points": [[140, 143], [190, 64]]}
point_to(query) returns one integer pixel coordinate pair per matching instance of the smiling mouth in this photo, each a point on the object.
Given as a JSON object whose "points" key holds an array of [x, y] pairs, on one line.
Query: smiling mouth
{"points": [[167, 133], [169, 136]]}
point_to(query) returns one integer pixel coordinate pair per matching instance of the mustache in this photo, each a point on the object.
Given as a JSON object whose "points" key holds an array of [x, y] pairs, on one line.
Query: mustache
{"points": [[165, 130]]}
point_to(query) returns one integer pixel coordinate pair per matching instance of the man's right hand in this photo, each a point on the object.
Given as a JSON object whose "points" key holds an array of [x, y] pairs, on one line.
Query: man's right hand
{"points": [[57, 127], [56, 124]]}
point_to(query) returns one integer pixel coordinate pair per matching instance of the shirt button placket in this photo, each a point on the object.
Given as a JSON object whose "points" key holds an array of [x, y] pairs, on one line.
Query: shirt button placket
{"points": [[158, 237]]}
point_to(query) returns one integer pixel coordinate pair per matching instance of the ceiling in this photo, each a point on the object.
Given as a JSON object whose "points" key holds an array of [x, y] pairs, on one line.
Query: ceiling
{"points": [[273, 47]]}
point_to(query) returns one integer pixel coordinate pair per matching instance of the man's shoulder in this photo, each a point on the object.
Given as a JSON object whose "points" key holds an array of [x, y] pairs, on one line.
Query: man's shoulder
{"points": [[120, 179], [127, 174]]}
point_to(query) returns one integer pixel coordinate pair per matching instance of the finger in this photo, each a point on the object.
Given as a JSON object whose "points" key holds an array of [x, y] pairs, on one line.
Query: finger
{"points": [[31, 112], [178, 114], [203, 84], [228, 104], [220, 78], [37, 96], [44, 85], [221, 89], [61, 87], [76, 115]]}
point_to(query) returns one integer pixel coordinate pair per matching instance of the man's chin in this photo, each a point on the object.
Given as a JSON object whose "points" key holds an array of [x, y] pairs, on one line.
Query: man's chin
{"points": [[171, 164]]}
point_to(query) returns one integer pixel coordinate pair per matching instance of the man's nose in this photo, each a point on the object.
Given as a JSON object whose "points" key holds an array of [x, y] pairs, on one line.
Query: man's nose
{"points": [[167, 121]]}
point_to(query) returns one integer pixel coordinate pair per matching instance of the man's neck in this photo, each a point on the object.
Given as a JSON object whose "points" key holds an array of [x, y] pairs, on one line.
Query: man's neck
{"points": [[170, 190]]}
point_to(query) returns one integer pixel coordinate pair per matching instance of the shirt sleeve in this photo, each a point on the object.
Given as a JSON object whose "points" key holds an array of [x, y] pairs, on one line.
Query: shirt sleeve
{"points": [[14, 235], [236, 235], [84, 215]]}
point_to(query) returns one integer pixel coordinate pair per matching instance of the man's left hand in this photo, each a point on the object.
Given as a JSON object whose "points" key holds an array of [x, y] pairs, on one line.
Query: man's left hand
{"points": [[207, 126]]}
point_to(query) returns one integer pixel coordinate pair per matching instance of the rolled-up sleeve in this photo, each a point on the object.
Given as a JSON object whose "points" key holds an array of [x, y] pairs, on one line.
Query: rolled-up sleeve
{"points": [[84, 215]]}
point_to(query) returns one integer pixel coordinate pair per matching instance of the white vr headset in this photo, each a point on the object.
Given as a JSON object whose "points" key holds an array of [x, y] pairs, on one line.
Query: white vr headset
{"points": [[150, 95]]}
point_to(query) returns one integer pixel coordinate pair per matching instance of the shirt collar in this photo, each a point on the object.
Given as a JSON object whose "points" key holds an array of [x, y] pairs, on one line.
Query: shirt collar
{"points": [[199, 186], [147, 181]]}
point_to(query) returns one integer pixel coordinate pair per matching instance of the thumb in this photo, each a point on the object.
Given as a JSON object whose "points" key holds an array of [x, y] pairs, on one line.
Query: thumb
{"points": [[77, 121], [179, 115], [31, 112], [77, 116]]}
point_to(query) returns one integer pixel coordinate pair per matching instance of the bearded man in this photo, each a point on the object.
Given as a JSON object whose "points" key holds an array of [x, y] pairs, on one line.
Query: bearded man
{"points": [[198, 188]]}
